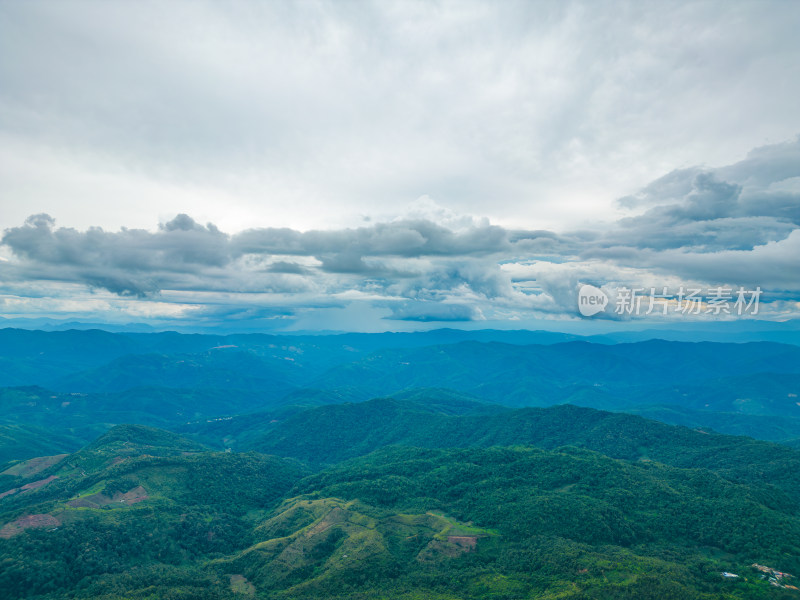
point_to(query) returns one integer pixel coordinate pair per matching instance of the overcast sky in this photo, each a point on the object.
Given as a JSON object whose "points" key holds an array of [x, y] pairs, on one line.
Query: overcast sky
{"points": [[392, 165]]}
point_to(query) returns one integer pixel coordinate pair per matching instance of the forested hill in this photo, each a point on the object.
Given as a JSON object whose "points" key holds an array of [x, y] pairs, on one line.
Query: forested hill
{"points": [[149, 466], [330, 434], [145, 513]]}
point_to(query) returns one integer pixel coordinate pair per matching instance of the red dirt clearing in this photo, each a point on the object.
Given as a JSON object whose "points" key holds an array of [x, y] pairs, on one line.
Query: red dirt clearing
{"points": [[37, 484], [29, 486], [133, 496], [27, 522]]}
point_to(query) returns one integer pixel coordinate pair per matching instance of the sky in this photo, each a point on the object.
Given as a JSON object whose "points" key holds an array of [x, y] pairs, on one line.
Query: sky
{"points": [[371, 166]]}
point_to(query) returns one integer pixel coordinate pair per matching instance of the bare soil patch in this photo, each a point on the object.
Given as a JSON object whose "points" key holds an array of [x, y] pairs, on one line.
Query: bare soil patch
{"points": [[28, 522]]}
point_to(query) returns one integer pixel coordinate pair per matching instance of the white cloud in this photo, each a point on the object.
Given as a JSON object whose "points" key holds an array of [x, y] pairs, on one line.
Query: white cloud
{"points": [[451, 160], [312, 115]]}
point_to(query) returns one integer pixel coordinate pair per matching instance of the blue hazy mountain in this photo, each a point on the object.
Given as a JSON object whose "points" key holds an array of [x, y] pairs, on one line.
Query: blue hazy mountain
{"points": [[76, 384]]}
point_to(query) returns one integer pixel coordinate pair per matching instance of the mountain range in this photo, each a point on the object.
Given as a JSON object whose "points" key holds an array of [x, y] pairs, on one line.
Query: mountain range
{"points": [[190, 466]]}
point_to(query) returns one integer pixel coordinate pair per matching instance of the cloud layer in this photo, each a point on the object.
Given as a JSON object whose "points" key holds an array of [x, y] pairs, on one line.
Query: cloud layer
{"points": [[313, 114], [732, 226], [290, 151]]}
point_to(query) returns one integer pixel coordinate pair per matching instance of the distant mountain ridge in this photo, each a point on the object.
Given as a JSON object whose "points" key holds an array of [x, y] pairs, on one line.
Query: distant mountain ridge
{"points": [[73, 385], [331, 434]]}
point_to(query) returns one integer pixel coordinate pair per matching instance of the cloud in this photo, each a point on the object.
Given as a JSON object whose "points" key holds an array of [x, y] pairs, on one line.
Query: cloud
{"points": [[312, 114], [282, 266], [425, 312], [184, 255], [129, 262], [727, 226], [407, 238], [673, 186], [741, 206], [180, 245], [773, 266]]}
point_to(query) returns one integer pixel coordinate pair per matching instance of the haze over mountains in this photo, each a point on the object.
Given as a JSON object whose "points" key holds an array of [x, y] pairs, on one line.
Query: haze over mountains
{"points": [[76, 383]]}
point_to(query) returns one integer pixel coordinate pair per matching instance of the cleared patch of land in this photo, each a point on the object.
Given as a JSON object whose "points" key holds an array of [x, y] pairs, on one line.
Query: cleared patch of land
{"points": [[30, 467], [98, 500], [240, 585], [29, 486], [9, 530]]}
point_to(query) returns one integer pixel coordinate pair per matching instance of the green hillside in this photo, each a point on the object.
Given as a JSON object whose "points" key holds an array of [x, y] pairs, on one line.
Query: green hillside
{"points": [[137, 503], [329, 434], [18, 442], [171, 521], [220, 467], [145, 513]]}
